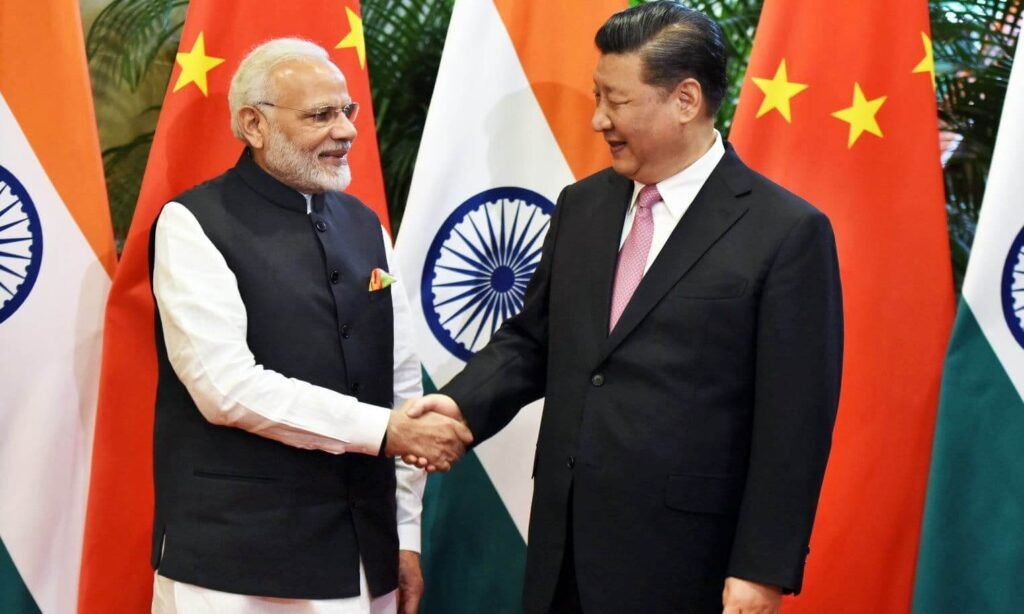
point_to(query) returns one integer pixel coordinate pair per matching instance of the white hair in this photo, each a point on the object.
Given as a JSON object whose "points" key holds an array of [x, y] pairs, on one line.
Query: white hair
{"points": [[251, 82]]}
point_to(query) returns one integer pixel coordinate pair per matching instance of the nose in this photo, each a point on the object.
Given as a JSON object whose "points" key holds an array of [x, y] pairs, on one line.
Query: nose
{"points": [[343, 129], [600, 121]]}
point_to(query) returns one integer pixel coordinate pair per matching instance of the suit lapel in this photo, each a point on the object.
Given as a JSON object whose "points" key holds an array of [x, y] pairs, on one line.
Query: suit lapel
{"points": [[714, 210], [601, 246]]}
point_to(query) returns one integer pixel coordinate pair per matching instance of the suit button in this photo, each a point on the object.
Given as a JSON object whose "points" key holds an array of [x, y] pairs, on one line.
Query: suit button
{"points": [[345, 331], [570, 461], [335, 276], [321, 225], [597, 380], [355, 387]]}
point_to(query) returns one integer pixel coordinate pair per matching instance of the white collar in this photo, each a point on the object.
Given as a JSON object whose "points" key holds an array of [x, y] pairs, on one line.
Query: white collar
{"points": [[679, 190]]}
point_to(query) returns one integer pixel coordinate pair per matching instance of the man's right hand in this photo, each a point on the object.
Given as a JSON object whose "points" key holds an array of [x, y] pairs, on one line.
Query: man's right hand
{"points": [[432, 403], [747, 597], [434, 439]]}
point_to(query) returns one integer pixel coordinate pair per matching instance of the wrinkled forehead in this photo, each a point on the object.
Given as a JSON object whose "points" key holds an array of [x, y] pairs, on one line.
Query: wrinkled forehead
{"points": [[618, 71], [308, 82]]}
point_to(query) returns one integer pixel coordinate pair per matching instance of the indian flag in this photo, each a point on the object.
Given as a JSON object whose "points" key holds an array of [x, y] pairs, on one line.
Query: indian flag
{"points": [[508, 128], [56, 259], [972, 543]]}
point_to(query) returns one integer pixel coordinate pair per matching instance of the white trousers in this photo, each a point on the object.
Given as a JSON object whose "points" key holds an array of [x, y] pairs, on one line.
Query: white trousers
{"points": [[171, 597]]}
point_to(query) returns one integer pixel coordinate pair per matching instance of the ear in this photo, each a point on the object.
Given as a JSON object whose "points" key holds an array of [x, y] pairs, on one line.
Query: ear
{"points": [[253, 125], [689, 99]]}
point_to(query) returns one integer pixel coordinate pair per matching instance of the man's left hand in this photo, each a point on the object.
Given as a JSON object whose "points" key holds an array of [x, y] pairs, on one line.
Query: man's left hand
{"points": [[410, 582], [746, 597]]}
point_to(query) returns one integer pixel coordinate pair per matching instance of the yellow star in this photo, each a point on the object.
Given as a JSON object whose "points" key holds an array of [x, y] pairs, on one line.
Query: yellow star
{"points": [[861, 115], [928, 63], [194, 66], [777, 92], [354, 38]]}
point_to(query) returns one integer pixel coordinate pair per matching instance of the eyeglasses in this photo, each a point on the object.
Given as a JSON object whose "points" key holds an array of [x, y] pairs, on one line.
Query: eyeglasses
{"points": [[322, 116]]}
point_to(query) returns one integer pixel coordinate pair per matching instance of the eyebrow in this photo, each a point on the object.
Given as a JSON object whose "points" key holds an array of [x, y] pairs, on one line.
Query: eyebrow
{"points": [[325, 105], [607, 87]]}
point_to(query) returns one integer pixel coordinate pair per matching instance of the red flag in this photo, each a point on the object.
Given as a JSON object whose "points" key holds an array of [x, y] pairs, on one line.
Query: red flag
{"points": [[193, 143], [839, 107]]}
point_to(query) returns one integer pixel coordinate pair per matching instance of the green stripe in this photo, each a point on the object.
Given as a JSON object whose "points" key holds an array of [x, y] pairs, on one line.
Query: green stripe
{"points": [[14, 595], [473, 556], [972, 542]]}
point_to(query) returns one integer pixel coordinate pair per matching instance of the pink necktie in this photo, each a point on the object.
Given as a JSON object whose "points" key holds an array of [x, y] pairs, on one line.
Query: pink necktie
{"points": [[633, 255]]}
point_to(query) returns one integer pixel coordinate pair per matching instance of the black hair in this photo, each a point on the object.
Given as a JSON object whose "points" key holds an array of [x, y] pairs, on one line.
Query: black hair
{"points": [[675, 43]]}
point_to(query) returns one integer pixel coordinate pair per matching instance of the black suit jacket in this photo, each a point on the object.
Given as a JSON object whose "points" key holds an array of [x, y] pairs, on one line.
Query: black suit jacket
{"points": [[693, 437]]}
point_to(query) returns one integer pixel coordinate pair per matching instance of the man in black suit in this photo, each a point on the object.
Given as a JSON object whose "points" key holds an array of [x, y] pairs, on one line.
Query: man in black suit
{"points": [[688, 340]]}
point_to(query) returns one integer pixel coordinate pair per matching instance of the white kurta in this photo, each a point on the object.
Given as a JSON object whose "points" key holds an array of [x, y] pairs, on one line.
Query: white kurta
{"points": [[204, 324]]}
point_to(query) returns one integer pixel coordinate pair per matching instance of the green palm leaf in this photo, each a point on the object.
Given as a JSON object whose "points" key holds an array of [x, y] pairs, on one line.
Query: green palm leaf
{"points": [[124, 166], [403, 45], [128, 35], [974, 44]]}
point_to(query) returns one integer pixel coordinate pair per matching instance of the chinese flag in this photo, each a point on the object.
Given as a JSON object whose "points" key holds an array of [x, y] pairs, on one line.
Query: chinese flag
{"points": [[193, 143], [838, 106]]}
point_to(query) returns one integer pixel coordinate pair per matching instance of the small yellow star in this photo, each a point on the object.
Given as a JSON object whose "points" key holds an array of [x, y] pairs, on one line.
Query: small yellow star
{"points": [[354, 38], [928, 63], [778, 91], [194, 66], [861, 115]]}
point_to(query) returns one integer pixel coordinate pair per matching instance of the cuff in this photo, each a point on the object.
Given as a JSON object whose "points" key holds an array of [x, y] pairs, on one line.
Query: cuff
{"points": [[367, 435], [409, 537]]}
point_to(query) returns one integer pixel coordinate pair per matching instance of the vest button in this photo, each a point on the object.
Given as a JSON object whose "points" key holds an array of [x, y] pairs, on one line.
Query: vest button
{"points": [[597, 380], [335, 276], [570, 462], [345, 331], [355, 387], [321, 225]]}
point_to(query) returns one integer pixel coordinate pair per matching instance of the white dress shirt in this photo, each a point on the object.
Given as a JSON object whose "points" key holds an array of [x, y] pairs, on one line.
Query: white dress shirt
{"points": [[204, 324], [677, 193]]}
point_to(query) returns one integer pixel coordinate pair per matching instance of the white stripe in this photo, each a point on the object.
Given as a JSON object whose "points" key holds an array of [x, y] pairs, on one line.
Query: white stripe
{"points": [[50, 351], [485, 129], [1000, 222]]}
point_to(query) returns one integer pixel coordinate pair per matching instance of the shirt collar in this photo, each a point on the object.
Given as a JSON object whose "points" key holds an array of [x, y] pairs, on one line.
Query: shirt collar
{"points": [[271, 188], [679, 190]]}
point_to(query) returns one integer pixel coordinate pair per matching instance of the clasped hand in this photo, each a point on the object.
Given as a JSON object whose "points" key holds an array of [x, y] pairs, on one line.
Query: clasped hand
{"points": [[428, 433]]}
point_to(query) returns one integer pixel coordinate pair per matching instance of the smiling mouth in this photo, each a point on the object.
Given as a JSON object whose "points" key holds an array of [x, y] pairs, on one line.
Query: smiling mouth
{"points": [[615, 146], [336, 157]]}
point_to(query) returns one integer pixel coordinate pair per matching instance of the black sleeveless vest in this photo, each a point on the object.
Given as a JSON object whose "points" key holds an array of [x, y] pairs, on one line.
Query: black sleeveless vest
{"points": [[240, 513]]}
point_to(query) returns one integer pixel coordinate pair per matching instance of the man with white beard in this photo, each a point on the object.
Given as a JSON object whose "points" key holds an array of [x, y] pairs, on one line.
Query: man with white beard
{"points": [[283, 347]]}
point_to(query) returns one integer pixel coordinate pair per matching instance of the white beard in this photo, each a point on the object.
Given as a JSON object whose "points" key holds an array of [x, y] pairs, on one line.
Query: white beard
{"points": [[301, 169]]}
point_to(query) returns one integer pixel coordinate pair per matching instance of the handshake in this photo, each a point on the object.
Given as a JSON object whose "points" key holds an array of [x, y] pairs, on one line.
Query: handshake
{"points": [[429, 433]]}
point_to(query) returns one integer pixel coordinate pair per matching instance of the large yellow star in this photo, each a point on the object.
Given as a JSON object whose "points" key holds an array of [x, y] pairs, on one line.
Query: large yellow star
{"points": [[861, 115], [778, 91], [928, 63], [354, 38], [194, 66]]}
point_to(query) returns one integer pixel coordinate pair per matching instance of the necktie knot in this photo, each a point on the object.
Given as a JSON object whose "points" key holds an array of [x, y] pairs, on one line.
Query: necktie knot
{"points": [[647, 197]]}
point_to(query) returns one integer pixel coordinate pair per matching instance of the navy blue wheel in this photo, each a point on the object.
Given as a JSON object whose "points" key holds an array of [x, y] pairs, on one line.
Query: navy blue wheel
{"points": [[479, 264], [21, 244], [1012, 289]]}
